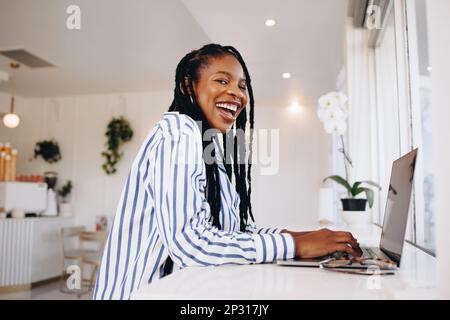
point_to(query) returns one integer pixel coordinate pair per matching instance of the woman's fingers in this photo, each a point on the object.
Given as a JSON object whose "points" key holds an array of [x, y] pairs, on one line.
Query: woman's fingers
{"points": [[348, 240], [346, 248], [351, 242], [345, 234]]}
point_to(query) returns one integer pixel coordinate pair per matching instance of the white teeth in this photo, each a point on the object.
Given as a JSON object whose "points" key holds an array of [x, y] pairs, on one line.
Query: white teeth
{"points": [[231, 107]]}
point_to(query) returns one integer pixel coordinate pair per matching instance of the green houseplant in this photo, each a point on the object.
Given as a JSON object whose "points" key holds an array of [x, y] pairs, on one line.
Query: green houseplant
{"points": [[352, 203], [48, 150], [65, 207], [65, 191], [118, 132]]}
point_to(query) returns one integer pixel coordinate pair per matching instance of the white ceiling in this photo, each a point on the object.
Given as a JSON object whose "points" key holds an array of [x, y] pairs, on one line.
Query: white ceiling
{"points": [[130, 46]]}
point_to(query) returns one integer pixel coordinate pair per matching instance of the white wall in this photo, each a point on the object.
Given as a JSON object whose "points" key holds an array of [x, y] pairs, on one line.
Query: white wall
{"points": [[290, 198], [79, 124], [287, 199], [438, 26]]}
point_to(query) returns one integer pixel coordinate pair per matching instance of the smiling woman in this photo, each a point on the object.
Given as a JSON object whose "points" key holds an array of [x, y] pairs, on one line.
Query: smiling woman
{"points": [[178, 209]]}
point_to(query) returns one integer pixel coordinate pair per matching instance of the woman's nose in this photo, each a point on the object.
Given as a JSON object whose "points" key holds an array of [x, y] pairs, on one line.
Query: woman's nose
{"points": [[236, 92]]}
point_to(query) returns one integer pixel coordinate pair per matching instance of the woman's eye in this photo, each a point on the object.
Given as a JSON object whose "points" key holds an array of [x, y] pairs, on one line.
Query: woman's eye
{"points": [[222, 81], [243, 87]]}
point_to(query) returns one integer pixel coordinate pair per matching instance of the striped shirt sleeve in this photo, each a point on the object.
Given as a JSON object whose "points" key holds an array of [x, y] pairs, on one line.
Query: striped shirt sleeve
{"points": [[251, 228], [183, 213]]}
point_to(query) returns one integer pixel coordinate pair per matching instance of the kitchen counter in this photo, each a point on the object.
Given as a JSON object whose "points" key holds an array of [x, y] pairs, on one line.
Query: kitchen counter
{"points": [[30, 250]]}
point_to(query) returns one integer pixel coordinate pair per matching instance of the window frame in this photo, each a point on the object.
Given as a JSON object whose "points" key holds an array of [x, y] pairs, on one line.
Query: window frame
{"points": [[408, 104]]}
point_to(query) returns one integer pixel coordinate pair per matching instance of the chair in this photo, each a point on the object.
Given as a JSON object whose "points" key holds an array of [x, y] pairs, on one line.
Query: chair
{"points": [[74, 240], [71, 252], [93, 257]]}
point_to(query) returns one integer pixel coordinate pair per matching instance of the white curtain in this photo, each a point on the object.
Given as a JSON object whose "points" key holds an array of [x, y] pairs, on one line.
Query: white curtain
{"points": [[360, 89]]}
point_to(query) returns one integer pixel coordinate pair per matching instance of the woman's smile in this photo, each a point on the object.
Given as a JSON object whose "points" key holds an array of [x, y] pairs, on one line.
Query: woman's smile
{"points": [[229, 110]]}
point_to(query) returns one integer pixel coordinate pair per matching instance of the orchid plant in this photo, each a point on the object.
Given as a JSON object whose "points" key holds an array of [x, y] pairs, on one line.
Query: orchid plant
{"points": [[333, 113]]}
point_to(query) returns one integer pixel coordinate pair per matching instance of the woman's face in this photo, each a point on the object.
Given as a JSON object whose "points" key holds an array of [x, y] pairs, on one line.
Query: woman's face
{"points": [[221, 91]]}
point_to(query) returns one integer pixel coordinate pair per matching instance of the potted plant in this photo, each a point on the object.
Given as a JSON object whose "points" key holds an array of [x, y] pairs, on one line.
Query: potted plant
{"points": [[65, 207], [333, 112], [352, 203], [48, 150]]}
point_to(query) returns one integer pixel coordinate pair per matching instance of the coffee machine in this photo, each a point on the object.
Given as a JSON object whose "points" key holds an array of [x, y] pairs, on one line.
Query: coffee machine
{"points": [[51, 210], [31, 197]]}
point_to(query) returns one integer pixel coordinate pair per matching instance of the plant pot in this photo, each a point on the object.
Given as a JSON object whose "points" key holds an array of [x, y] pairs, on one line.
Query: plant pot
{"points": [[354, 204], [65, 209], [356, 218]]}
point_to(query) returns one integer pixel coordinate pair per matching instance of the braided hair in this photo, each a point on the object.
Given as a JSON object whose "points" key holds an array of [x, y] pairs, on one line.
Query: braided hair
{"points": [[185, 102]]}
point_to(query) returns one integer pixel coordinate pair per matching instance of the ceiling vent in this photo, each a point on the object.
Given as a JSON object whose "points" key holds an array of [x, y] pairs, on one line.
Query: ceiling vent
{"points": [[26, 58]]}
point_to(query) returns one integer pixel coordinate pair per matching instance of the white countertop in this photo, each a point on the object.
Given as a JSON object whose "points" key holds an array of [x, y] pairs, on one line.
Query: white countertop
{"points": [[414, 280]]}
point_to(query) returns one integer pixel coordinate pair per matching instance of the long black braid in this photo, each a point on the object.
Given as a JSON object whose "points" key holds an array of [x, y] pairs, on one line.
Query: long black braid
{"points": [[185, 103]]}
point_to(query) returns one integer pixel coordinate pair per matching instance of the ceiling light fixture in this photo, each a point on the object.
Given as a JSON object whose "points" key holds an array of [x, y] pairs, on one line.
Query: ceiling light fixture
{"points": [[286, 75], [430, 68], [12, 120], [295, 106], [270, 22]]}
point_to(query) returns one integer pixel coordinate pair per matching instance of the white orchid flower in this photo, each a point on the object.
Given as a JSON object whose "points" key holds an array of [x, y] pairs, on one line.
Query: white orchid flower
{"points": [[328, 100], [333, 112], [338, 126], [339, 96]]}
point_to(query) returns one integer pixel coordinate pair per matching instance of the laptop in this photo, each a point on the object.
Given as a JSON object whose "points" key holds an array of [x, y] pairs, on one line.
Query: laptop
{"points": [[395, 219]]}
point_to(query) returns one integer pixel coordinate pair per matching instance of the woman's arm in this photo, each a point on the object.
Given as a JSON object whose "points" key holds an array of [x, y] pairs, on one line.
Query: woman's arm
{"points": [[183, 214]]}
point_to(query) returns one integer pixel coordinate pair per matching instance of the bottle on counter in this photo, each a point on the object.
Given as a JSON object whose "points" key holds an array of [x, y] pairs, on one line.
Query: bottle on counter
{"points": [[7, 148], [13, 164], [2, 166], [7, 170]]}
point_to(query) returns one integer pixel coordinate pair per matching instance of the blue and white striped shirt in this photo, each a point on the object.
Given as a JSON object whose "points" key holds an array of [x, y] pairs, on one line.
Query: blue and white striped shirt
{"points": [[163, 211]]}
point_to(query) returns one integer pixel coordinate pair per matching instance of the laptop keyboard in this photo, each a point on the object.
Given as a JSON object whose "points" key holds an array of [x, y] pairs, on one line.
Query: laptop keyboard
{"points": [[368, 253]]}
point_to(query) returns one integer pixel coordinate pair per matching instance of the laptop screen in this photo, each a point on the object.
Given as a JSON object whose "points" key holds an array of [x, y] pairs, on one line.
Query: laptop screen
{"points": [[397, 206]]}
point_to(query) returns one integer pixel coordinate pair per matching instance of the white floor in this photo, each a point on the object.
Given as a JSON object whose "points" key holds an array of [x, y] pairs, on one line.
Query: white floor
{"points": [[49, 291]]}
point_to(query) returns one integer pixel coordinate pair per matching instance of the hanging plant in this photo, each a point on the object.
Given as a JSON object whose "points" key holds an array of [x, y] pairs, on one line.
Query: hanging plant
{"points": [[118, 132], [48, 150]]}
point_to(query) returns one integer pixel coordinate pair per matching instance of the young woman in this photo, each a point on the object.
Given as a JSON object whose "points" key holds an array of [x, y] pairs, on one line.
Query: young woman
{"points": [[179, 209]]}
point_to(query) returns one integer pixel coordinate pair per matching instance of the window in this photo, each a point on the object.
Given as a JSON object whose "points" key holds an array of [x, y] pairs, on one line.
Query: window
{"points": [[387, 107], [421, 109], [403, 105]]}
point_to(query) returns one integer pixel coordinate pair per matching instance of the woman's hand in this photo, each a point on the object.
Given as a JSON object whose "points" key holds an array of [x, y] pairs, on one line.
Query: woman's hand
{"points": [[322, 242]]}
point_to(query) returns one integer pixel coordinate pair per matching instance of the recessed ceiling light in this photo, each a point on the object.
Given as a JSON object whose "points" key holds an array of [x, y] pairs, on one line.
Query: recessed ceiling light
{"points": [[270, 22], [430, 68], [286, 75], [295, 106]]}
